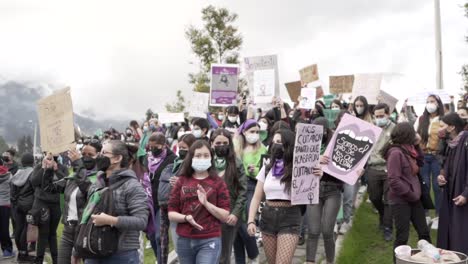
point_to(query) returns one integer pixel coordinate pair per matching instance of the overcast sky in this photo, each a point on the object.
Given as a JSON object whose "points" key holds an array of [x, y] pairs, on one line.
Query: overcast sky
{"points": [[122, 57]]}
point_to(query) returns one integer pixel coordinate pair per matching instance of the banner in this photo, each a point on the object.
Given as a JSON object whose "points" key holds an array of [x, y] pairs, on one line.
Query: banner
{"points": [[56, 122], [262, 78], [341, 84], [350, 148], [167, 118], [198, 104], [224, 84], [307, 98], [309, 74], [367, 85], [391, 101], [305, 185]]}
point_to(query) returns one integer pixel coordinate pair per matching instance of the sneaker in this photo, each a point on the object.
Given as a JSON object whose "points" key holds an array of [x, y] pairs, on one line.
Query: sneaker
{"points": [[148, 245], [25, 258], [345, 227], [336, 230], [301, 241], [388, 234], [254, 261], [8, 254], [428, 220], [435, 223]]}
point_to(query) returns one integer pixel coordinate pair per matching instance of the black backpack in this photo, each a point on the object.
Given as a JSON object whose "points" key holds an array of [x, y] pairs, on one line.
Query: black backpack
{"points": [[99, 241]]}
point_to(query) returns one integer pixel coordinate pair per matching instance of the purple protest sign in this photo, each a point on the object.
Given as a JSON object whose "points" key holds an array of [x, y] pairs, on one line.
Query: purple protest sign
{"points": [[224, 83], [305, 185], [350, 148]]}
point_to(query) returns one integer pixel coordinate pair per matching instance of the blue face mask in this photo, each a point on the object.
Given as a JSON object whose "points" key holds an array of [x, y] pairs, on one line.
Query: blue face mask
{"points": [[381, 122], [201, 165]]}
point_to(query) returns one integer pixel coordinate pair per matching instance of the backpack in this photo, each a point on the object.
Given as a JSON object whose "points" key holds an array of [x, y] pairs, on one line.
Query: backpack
{"points": [[98, 241], [164, 190]]}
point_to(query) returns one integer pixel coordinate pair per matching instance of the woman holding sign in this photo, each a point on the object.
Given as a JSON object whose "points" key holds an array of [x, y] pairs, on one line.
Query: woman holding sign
{"points": [[280, 222]]}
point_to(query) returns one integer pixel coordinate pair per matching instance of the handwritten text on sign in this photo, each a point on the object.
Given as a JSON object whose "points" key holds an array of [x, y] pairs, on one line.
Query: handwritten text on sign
{"points": [[305, 185]]}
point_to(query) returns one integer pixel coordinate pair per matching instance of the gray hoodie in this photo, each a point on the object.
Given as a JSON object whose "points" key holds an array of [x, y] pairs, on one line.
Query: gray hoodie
{"points": [[5, 189], [20, 178]]}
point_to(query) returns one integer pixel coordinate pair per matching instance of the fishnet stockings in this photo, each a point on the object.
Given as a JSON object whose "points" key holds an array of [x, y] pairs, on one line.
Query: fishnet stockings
{"points": [[280, 249]]}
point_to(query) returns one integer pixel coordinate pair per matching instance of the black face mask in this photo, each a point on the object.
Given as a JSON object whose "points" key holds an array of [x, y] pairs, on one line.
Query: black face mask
{"points": [[89, 163], [156, 151], [182, 153], [6, 159], [102, 163], [277, 151], [222, 151]]}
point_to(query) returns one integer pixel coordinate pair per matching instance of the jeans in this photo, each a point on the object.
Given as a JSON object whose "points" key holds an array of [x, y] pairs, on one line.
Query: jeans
{"points": [[199, 251], [66, 244], [156, 239], [21, 231], [243, 240], [48, 231], [228, 234], [432, 167], [125, 257], [174, 235], [322, 219], [5, 239], [378, 191], [403, 215], [349, 197], [304, 225]]}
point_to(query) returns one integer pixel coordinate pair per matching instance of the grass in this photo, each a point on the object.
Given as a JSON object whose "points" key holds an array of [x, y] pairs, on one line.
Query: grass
{"points": [[365, 244]]}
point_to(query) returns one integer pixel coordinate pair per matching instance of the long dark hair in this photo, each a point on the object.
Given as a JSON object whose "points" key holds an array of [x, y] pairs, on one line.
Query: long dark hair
{"points": [[425, 119], [288, 139], [187, 170], [230, 175], [328, 133], [367, 110], [402, 134]]}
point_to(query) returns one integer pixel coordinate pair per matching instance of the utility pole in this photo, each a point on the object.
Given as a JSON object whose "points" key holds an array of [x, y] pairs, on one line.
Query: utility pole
{"points": [[438, 46]]}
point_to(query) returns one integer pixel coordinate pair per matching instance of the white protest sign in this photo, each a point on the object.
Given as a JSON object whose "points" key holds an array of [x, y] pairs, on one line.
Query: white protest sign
{"points": [[167, 118], [262, 77], [367, 85], [420, 98], [56, 122], [198, 104], [307, 98], [387, 98], [305, 185]]}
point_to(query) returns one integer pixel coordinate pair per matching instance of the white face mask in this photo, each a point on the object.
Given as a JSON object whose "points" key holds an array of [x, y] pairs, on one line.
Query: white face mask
{"points": [[232, 119], [360, 110], [431, 108], [201, 165], [263, 126], [335, 108], [180, 134], [221, 117], [197, 133], [252, 138]]}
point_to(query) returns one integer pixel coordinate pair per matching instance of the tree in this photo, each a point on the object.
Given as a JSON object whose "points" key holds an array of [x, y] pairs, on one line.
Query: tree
{"points": [[21, 145], [3, 145], [178, 106], [218, 41]]}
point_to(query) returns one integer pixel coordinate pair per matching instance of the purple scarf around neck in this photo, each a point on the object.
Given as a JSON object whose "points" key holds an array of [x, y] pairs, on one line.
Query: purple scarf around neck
{"points": [[155, 162], [278, 168]]}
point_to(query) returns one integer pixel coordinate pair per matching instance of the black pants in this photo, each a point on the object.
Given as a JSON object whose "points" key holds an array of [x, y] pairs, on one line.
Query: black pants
{"points": [[5, 239], [378, 191], [48, 232], [66, 244], [21, 231], [403, 215]]}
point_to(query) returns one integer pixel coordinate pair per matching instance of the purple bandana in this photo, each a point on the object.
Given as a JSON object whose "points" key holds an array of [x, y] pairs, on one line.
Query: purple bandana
{"points": [[278, 168], [155, 162], [246, 125]]}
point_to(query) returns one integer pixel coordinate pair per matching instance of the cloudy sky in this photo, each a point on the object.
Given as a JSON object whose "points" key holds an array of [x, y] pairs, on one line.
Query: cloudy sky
{"points": [[122, 57]]}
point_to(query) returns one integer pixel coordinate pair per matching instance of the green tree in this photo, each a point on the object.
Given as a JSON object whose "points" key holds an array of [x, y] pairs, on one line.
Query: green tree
{"points": [[218, 41], [3, 145], [178, 106]]}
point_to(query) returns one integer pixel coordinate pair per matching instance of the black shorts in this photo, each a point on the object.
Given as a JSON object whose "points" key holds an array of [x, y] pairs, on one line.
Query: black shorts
{"points": [[281, 220]]}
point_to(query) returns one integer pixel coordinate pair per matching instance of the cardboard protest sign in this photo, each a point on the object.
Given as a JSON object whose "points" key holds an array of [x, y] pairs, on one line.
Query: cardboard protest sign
{"points": [[309, 74], [167, 118], [420, 98], [224, 84], [331, 116], [198, 104], [56, 122], [350, 148], [305, 185], [367, 85], [391, 101], [307, 98], [341, 84], [294, 90], [262, 78]]}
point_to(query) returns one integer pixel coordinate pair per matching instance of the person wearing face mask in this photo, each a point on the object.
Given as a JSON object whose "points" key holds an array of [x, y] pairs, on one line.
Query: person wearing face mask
{"points": [[46, 206], [5, 211], [230, 169], [75, 190], [231, 123], [220, 118], [404, 194], [463, 113], [249, 150], [264, 123], [336, 105], [201, 127], [453, 233], [199, 204], [377, 171], [137, 133], [428, 127], [361, 109], [158, 158], [9, 160], [131, 210]]}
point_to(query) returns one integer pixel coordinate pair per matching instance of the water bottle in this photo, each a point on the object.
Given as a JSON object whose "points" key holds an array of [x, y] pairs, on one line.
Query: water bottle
{"points": [[429, 250]]}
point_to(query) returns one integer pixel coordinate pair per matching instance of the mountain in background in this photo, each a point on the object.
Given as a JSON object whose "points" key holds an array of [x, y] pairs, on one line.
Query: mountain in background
{"points": [[18, 112]]}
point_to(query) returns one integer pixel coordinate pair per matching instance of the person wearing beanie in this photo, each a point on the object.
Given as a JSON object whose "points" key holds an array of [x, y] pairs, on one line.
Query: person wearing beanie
{"points": [[22, 196], [5, 210]]}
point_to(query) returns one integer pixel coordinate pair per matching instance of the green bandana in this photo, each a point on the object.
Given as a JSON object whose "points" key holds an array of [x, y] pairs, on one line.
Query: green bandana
{"points": [[177, 163], [220, 164], [263, 135]]}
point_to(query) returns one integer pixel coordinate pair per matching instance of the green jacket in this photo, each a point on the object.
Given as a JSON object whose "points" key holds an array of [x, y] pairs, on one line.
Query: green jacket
{"points": [[238, 197]]}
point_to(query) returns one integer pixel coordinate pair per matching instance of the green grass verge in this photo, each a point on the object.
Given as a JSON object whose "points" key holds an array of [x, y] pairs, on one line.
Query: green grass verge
{"points": [[364, 243]]}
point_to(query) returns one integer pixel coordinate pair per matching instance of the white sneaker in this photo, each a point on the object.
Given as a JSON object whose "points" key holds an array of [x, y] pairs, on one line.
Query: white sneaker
{"points": [[435, 223], [148, 245], [336, 229], [254, 261], [345, 227], [428, 220]]}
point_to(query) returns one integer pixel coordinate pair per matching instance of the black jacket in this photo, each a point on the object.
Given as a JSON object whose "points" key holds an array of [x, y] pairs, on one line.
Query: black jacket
{"points": [[43, 182]]}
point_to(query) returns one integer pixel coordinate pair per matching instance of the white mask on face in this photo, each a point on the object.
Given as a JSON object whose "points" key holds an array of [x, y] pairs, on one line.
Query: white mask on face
{"points": [[360, 110], [200, 165], [263, 126], [180, 134], [431, 108], [252, 138], [197, 133], [335, 108], [221, 117], [232, 119]]}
